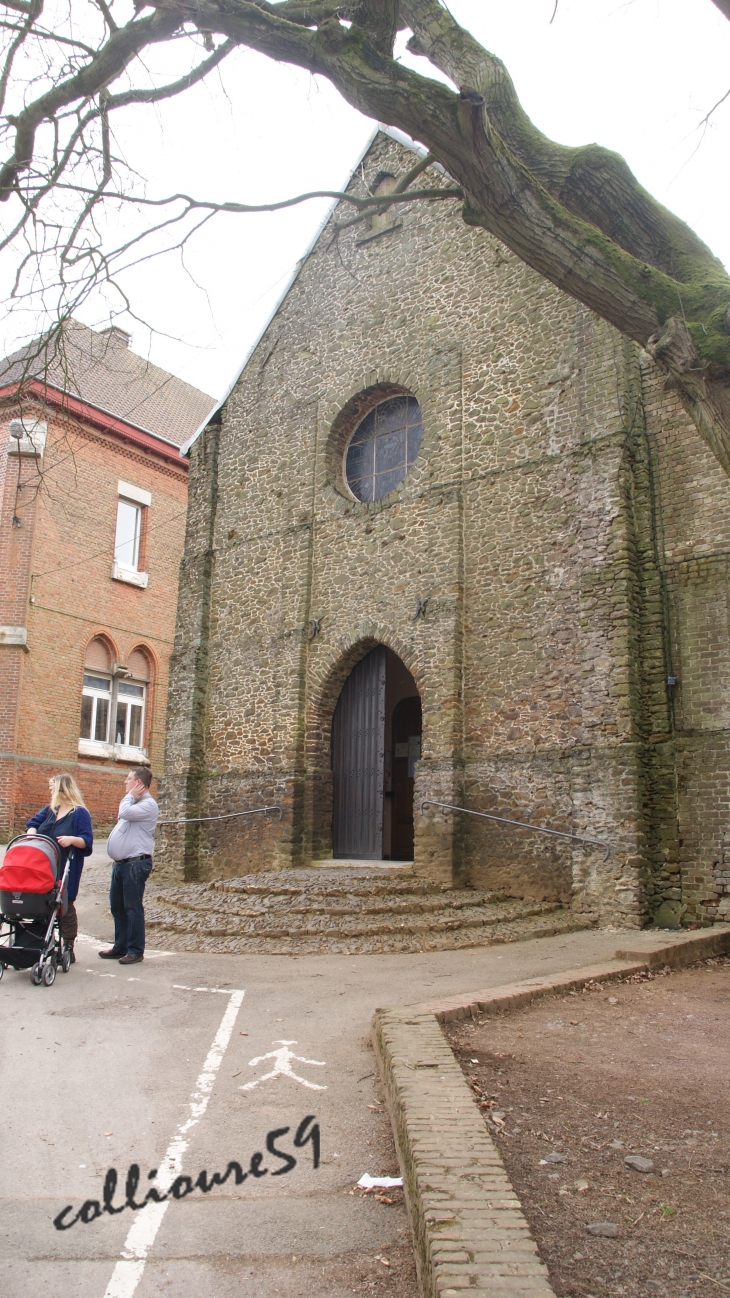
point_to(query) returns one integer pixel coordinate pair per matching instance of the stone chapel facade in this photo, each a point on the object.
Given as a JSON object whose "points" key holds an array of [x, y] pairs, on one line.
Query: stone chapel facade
{"points": [[529, 617]]}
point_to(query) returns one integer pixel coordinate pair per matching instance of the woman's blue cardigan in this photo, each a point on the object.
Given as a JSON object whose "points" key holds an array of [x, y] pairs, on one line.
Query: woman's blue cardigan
{"points": [[80, 828]]}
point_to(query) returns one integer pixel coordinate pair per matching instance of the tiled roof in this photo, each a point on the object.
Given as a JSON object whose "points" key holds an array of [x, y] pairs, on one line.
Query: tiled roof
{"points": [[99, 368]]}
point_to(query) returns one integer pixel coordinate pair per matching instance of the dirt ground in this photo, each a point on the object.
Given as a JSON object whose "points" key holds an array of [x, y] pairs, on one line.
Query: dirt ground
{"points": [[636, 1068]]}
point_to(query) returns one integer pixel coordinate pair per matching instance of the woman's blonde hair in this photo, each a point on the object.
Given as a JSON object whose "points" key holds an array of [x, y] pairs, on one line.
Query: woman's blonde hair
{"points": [[66, 791]]}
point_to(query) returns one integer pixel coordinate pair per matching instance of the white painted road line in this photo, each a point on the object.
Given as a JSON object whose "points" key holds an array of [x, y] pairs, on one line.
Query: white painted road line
{"points": [[128, 1270]]}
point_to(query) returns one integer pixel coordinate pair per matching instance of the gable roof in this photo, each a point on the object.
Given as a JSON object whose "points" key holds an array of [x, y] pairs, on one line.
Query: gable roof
{"points": [[102, 371], [394, 134]]}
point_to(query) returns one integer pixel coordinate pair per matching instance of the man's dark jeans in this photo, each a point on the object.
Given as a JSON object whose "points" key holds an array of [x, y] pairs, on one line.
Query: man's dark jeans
{"points": [[125, 899]]}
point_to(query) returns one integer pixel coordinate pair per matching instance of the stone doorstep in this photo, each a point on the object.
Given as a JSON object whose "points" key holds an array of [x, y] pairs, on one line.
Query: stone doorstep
{"points": [[469, 1230], [360, 863]]}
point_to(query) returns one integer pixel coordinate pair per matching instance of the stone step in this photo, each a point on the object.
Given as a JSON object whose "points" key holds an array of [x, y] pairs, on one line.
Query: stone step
{"points": [[360, 862], [518, 930], [323, 904], [338, 882], [349, 910], [365, 924]]}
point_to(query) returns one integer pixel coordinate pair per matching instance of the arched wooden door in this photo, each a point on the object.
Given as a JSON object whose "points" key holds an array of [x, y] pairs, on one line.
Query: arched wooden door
{"points": [[358, 756]]}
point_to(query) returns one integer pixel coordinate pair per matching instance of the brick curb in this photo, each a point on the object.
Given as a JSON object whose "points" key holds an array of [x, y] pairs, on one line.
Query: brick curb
{"points": [[469, 1230]]}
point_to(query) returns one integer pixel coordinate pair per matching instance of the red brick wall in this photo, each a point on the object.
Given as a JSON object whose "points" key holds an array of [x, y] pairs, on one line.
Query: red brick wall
{"points": [[56, 580]]}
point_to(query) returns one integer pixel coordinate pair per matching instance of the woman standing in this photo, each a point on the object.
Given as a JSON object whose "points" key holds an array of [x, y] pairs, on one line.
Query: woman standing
{"points": [[66, 819]]}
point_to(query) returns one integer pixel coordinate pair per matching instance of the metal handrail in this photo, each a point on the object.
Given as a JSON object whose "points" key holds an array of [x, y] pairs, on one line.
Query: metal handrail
{"points": [[521, 824], [196, 820]]}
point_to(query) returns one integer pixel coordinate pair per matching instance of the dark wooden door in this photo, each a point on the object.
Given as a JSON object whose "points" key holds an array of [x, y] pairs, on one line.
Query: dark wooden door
{"points": [[358, 753], [407, 725]]}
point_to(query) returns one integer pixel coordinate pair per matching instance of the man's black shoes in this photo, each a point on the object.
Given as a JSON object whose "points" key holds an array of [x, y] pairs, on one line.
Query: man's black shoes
{"points": [[110, 955], [131, 959]]}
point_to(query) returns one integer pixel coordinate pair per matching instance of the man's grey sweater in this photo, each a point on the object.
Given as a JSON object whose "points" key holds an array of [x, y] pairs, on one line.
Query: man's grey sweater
{"points": [[134, 832]]}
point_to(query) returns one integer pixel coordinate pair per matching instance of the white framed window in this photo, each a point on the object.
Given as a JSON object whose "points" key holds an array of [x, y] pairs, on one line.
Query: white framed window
{"points": [[96, 702], [129, 720], [129, 532], [113, 713]]}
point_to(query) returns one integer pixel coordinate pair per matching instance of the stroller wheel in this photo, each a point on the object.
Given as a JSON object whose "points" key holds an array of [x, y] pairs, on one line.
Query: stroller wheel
{"points": [[66, 961], [36, 975], [49, 973], [2, 970]]}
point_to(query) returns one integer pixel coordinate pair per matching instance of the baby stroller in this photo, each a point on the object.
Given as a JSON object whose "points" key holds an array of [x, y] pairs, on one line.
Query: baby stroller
{"points": [[33, 897]]}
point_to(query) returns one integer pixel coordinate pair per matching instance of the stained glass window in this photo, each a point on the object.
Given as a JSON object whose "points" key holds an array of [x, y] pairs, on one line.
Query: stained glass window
{"points": [[383, 448]]}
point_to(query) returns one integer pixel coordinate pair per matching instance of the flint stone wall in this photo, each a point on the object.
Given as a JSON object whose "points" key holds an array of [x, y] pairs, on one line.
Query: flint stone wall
{"points": [[556, 520]]}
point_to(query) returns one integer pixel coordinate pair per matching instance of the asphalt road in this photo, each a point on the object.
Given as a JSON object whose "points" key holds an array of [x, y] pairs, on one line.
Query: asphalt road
{"points": [[152, 1065]]}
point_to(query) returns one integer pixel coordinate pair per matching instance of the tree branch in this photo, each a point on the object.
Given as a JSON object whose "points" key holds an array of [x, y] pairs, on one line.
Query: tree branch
{"points": [[119, 50], [307, 15], [107, 16], [175, 87], [576, 216], [18, 6], [34, 11], [370, 204], [378, 19]]}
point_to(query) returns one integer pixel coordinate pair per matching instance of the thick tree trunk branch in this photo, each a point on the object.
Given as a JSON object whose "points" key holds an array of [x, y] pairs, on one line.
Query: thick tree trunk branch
{"points": [[504, 175], [378, 19], [577, 216]]}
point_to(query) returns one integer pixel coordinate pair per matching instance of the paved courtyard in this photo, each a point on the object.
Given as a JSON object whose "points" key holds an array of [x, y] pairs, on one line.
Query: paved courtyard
{"points": [[155, 1065]]}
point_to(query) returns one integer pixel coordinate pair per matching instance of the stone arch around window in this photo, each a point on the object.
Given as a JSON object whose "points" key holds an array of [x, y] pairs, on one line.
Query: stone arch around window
{"points": [[351, 418]]}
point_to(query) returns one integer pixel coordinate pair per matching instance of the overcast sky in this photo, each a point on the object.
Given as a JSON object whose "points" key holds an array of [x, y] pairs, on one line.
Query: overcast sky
{"points": [[637, 76]]}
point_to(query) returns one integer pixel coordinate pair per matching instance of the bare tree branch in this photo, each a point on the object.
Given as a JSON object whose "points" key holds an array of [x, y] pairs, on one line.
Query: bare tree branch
{"points": [[113, 58], [707, 116], [175, 87], [19, 6], [107, 15], [307, 15], [370, 204], [34, 11]]}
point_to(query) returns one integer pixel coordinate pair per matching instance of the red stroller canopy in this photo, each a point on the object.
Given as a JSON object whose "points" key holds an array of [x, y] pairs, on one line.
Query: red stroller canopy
{"points": [[30, 865]]}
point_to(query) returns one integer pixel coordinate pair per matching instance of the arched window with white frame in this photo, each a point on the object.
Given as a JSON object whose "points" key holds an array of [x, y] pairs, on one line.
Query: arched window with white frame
{"points": [[113, 703], [129, 726], [96, 698]]}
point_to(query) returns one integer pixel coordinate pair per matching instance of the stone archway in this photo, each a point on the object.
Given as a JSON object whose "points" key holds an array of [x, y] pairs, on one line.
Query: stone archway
{"points": [[376, 742]]}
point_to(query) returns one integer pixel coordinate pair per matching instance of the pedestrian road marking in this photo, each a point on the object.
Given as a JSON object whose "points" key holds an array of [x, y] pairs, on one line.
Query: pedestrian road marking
{"points": [[142, 1233], [283, 1068]]}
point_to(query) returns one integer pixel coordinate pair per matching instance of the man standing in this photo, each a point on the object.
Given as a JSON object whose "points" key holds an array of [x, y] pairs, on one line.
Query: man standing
{"points": [[130, 847]]}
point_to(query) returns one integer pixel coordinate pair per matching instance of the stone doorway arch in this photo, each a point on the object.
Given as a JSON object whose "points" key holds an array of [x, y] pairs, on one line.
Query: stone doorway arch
{"points": [[376, 742]]}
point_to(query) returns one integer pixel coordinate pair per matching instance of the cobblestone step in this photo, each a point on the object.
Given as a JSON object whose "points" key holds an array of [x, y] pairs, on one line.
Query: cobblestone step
{"points": [[296, 911]]}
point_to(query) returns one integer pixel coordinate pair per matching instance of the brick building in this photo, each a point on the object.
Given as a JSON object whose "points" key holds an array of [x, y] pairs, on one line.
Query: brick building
{"points": [[449, 538], [92, 513]]}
